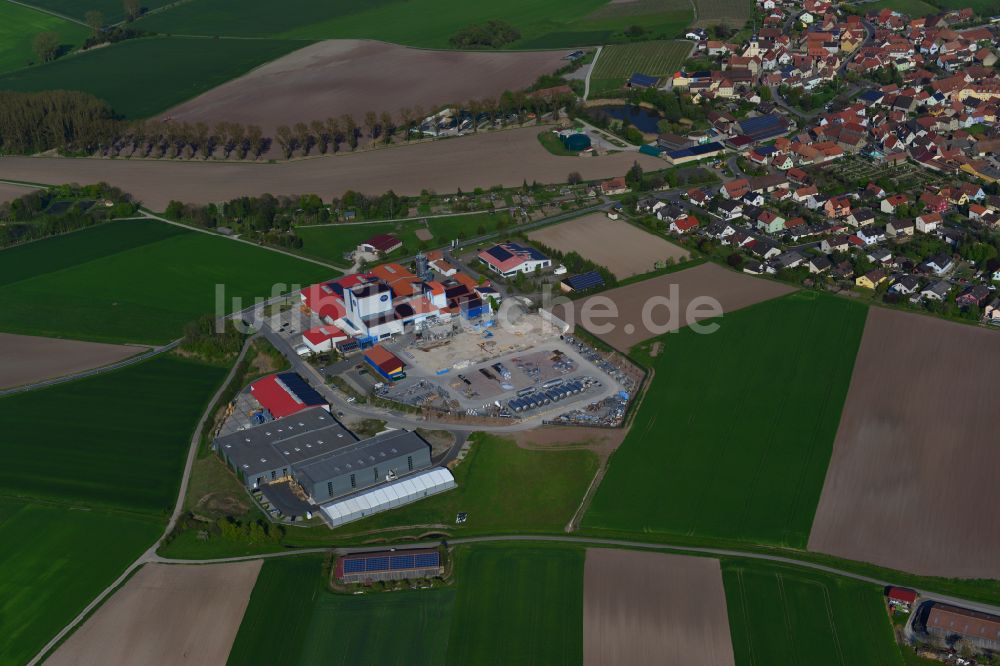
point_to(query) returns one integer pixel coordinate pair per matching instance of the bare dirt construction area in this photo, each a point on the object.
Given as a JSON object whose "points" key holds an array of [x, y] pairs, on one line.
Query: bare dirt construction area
{"points": [[25, 359], [355, 76], [731, 290], [166, 614], [10, 192], [507, 157], [623, 249], [912, 482], [651, 608]]}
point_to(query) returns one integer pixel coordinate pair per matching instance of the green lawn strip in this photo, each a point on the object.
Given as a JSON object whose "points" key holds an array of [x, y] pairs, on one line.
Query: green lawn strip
{"points": [[735, 432], [551, 142], [20, 25], [118, 439], [518, 605], [407, 628], [55, 560], [332, 241], [142, 288], [143, 77], [784, 615], [913, 8]]}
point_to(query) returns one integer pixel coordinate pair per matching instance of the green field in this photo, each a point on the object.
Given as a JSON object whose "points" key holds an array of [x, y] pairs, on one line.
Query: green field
{"points": [[55, 559], [734, 434], [113, 10], [331, 241], [133, 281], [425, 23], [291, 608], [144, 77], [118, 439], [618, 62], [786, 615], [18, 28], [550, 486], [518, 605]]}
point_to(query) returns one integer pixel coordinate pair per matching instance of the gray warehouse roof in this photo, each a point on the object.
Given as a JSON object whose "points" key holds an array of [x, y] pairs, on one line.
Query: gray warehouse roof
{"points": [[285, 442], [363, 455]]}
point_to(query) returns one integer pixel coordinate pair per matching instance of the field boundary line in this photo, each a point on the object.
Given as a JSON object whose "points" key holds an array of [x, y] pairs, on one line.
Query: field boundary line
{"points": [[42, 10], [833, 624], [784, 613]]}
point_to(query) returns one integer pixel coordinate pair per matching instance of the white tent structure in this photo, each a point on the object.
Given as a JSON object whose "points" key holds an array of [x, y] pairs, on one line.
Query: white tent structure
{"points": [[397, 493]]}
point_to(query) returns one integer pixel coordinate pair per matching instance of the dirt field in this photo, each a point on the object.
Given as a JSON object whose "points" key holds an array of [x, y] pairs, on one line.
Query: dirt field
{"points": [[166, 614], [354, 76], [10, 192], [617, 245], [25, 358], [912, 481], [492, 158], [651, 608], [732, 290]]}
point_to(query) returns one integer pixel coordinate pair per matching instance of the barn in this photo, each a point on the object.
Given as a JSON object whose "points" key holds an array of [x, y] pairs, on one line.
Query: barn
{"points": [[981, 629], [389, 565], [285, 394], [582, 282], [381, 244]]}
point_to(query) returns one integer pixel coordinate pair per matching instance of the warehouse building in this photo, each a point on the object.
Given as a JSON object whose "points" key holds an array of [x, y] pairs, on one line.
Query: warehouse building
{"points": [[389, 565], [389, 496], [285, 394], [322, 456]]}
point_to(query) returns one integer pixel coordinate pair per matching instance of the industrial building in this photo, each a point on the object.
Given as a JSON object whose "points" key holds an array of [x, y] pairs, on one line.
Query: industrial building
{"points": [[389, 565], [285, 394], [389, 496], [323, 457], [360, 309], [509, 259], [385, 363]]}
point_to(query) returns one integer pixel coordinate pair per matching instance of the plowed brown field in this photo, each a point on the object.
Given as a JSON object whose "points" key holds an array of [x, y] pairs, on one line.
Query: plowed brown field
{"points": [[492, 158], [731, 290], [26, 358], [166, 614], [649, 608], [912, 483], [355, 76]]}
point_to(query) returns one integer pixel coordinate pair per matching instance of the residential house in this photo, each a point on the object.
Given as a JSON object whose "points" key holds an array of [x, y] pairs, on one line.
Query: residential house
{"points": [[991, 315], [871, 279], [933, 203], [730, 210], [892, 202], [615, 186], [906, 285], [900, 227], [837, 207], [974, 296], [939, 264], [936, 292], [819, 265], [770, 222], [683, 224], [861, 217], [735, 189], [928, 222]]}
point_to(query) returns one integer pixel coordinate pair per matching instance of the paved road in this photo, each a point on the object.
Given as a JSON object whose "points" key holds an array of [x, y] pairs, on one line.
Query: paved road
{"points": [[610, 543], [586, 81]]}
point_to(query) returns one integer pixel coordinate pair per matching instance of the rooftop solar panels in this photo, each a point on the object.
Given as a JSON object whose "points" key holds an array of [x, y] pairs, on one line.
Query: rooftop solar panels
{"points": [[588, 280], [380, 562], [500, 254], [305, 393]]}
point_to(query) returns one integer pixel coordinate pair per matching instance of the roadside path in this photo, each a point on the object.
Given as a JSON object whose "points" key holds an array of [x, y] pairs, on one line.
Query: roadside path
{"points": [[608, 543], [586, 81], [50, 13], [150, 554]]}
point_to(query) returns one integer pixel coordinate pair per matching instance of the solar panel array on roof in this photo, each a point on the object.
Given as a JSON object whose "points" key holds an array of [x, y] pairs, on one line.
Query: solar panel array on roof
{"points": [[763, 126], [587, 280], [500, 254], [305, 393]]}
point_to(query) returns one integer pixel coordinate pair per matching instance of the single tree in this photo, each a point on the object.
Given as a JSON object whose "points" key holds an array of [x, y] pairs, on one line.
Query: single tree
{"points": [[95, 20], [132, 9], [574, 178], [371, 124], [386, 126], [406, 119], [46, 46], [333, 129]]}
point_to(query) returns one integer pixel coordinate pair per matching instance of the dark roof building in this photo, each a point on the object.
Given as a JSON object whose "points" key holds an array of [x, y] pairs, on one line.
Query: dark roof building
{"points": [[762, 128], [583, 281], [638, 80]]}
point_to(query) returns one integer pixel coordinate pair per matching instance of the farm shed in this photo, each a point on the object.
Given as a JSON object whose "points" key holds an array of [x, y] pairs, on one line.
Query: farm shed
{"points": [[285, 394], [389, 496], [694, 153], [762, 128], [389, 565], [384, 362], [980, 629], [382, 244], [582, 282], [638, 80]]}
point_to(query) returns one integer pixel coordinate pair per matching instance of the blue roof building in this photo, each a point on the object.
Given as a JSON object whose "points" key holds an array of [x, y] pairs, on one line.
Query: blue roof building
{"points": [[583, 281], [638, 80], [762, 128]]}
